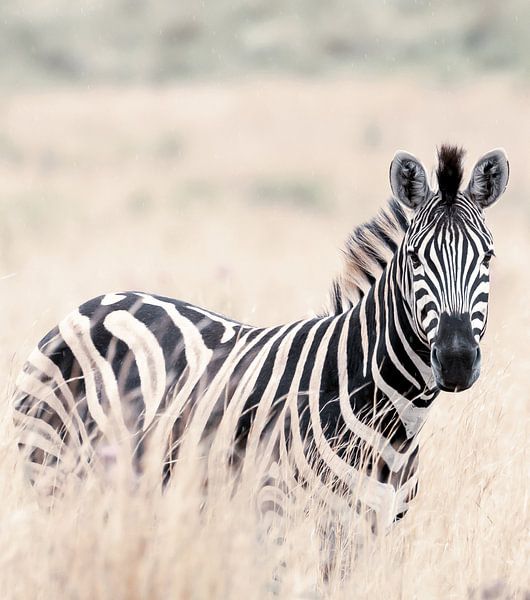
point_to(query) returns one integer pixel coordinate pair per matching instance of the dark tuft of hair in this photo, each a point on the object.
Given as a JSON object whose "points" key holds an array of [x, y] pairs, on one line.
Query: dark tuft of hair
{"points": [[450, 171]]}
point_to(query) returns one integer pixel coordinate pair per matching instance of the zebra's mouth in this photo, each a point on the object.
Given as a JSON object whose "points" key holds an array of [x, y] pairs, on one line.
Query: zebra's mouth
{"points": [[457, 379]]}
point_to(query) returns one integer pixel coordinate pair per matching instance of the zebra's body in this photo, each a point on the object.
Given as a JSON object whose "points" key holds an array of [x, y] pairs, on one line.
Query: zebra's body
{"points": [[340, 398], [221, 372]]}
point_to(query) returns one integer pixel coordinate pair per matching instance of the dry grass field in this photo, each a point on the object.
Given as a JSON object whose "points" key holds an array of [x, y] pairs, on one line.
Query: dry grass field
{"points": [[237, 197]]}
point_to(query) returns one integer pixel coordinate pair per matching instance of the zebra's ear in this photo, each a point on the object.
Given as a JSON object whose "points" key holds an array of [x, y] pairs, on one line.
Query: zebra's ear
{"points": [[408, 180], [489, 178]]}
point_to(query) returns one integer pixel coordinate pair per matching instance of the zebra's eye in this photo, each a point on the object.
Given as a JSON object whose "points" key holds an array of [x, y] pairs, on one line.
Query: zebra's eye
{"points": [[414, 259], [487, 258]]}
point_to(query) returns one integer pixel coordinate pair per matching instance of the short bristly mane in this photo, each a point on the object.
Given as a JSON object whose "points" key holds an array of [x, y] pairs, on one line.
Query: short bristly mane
{"points": [[450, 171], [367, 252]]}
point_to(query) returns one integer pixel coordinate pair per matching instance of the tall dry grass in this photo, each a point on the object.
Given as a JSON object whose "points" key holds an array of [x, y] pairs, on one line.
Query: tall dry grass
{"points": [[236, 197]]}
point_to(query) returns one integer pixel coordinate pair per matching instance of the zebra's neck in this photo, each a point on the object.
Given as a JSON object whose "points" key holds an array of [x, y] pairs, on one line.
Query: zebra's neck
{"points": [[393, 370]]}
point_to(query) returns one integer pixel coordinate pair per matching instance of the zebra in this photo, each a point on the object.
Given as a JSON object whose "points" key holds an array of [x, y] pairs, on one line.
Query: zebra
{"points": [[338, 399]]}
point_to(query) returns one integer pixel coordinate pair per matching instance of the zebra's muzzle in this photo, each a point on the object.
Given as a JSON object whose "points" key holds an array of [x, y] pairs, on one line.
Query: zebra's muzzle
{"points": [[455, 354]]}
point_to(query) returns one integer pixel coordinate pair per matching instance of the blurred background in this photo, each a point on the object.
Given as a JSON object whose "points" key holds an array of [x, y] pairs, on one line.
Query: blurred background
{"points": [[159, 42], [221, 150]]}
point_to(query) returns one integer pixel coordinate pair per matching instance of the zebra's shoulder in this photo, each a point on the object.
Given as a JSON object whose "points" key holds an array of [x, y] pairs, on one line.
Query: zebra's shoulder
{"points": [[368, 249]]}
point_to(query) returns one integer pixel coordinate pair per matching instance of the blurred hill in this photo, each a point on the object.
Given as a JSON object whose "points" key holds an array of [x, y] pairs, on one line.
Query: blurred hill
{"points": [[154, 41]]}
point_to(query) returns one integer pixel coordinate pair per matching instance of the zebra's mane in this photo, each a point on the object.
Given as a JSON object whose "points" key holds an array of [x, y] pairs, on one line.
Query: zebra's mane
{"points": [[368, 249]]}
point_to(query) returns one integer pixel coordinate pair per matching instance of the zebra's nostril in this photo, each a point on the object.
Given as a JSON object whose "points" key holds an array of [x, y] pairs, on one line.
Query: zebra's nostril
{"points": [[434, 357], [477, 356]]}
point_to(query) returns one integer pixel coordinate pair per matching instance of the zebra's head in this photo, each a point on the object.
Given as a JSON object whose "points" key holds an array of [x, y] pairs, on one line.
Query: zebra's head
{"points": [[445, 256]]}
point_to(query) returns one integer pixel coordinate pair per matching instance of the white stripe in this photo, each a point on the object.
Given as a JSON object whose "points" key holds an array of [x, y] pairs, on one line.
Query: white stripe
{"points": [[148, 356], [109, 299], [98, 376]]}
